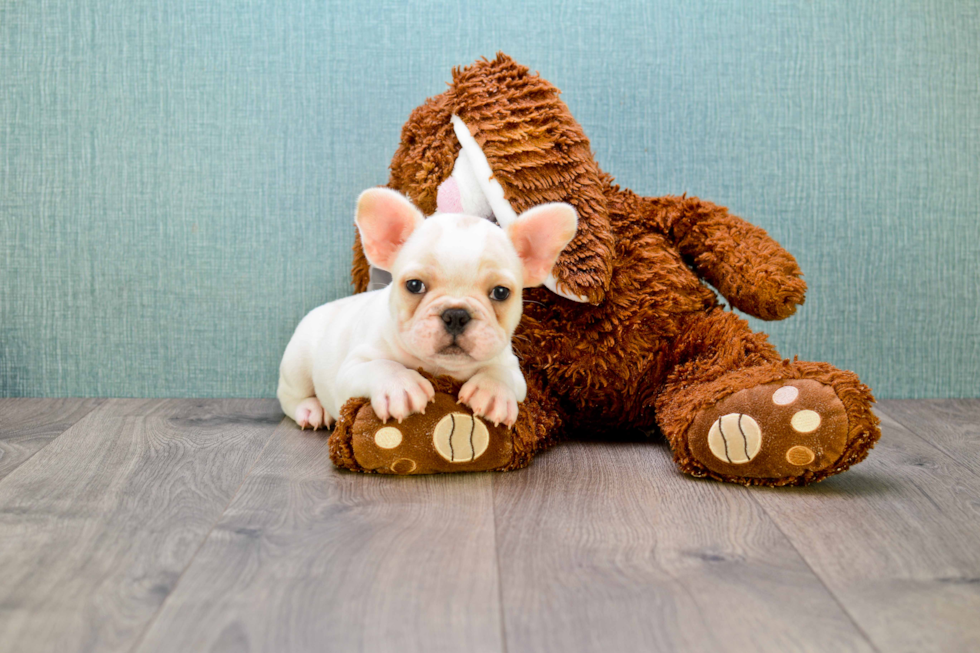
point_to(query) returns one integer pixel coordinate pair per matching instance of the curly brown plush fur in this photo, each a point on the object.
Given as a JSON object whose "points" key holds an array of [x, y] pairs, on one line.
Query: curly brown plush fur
{"points": [[652, 348]]}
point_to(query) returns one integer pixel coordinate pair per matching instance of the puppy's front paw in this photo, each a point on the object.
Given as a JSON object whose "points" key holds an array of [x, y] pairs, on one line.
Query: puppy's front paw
{"points": [[489, 397], [400, 395], [310, 414]]}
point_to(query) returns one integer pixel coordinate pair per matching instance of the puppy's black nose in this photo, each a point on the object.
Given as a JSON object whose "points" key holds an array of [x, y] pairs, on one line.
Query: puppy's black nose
{"points": [[455, 320]]}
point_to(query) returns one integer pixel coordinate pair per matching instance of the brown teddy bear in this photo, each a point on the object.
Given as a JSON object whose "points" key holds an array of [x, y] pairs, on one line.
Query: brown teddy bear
{"points": [[624, 334]]}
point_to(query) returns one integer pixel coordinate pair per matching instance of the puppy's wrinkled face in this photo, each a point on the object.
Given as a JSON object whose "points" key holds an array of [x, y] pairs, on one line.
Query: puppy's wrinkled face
{"points": [[456, 291]]}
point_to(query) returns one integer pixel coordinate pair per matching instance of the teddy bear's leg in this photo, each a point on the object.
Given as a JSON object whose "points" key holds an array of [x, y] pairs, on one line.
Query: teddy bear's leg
{"points": [[447, 438], [734, 411]]}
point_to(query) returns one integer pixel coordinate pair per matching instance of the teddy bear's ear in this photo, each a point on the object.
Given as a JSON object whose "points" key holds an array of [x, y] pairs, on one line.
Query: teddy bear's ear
{"points": [[423, 160], [385, 219], [538, 154], [583, 270]]}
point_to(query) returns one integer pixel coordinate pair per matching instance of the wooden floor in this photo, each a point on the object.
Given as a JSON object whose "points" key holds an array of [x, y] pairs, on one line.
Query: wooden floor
{"points": [[199, 525]]}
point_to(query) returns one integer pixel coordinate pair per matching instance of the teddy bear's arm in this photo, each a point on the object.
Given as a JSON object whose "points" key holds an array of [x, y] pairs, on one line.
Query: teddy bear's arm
{"points": [[748, 267]]}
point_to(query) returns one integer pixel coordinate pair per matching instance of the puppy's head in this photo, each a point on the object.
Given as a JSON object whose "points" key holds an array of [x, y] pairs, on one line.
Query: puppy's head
{"points": [[457, 279]]}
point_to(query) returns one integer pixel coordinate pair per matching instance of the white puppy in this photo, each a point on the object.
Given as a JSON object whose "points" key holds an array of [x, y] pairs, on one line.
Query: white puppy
{"points": [[452, 307]]}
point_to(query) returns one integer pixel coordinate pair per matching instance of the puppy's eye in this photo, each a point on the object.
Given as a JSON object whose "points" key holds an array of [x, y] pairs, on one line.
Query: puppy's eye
{"points": [[415, 286], [499, 293]]}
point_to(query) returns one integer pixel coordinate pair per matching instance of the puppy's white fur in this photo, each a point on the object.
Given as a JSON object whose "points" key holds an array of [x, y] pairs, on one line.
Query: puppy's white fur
{"points": [[370, 345]]}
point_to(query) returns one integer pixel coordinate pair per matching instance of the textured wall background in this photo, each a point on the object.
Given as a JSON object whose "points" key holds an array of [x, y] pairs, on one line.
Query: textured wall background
{"points": [[177, 178]]}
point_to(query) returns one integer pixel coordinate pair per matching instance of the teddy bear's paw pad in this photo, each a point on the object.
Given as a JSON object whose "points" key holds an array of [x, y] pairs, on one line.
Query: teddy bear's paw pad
{"points": [[461, 438], [775, 430], [446, 438], [735, 438]]}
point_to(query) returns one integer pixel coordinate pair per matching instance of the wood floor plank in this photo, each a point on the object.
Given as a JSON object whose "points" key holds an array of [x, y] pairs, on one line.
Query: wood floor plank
{"points": [[952, 425], [896, 540], [606, 547], [98, 525], [312, 558], [27, 425]]}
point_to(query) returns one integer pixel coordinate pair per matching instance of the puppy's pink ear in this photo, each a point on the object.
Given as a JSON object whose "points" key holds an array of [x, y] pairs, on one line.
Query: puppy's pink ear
{"points": [[539, 235], [385, 219]]}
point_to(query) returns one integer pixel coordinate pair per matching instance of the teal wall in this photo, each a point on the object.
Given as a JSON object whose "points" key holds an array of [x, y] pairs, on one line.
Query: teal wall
{"points": [[177, 178]]}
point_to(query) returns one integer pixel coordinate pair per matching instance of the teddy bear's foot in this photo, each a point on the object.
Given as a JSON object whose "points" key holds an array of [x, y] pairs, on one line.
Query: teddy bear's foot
{"points": [[447, 438], [774, 430]]}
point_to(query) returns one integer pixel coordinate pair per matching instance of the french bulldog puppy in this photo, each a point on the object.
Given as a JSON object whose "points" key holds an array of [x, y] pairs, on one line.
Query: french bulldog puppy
{"points": [[452, 307]]}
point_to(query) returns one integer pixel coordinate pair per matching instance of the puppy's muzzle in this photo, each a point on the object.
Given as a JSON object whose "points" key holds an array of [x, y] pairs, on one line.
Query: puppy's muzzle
{"points": [[455, 320]]}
